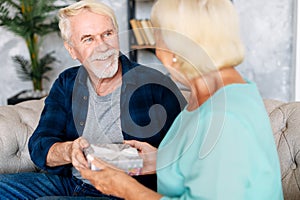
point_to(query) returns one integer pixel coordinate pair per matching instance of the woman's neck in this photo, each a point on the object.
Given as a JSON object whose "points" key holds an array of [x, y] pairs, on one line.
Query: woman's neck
{"points": [[202, 88]]}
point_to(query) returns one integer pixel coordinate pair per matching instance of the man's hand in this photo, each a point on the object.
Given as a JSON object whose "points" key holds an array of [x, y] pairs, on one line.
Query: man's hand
{"points": [[77, 157], [148, 154], [62, 153]]}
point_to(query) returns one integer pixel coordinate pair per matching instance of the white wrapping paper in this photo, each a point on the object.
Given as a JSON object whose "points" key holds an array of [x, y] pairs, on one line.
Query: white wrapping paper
{"points": [[122, 156]]}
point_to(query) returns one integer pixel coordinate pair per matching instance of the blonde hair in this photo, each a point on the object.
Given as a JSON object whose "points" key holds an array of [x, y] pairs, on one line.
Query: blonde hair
{"points": [[211, 25], [76, 8]]}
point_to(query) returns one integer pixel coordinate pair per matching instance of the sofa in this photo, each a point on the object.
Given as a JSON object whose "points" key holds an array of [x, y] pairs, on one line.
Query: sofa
{"points": [[17, 123]]}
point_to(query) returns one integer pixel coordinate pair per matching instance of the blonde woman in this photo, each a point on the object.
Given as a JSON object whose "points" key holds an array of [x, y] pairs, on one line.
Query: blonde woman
{"points": [[221, 145], [103, 100]]}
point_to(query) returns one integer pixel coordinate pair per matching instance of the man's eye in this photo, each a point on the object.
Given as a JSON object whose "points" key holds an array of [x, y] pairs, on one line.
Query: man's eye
{"points": [[87, 40], [108, 34]]}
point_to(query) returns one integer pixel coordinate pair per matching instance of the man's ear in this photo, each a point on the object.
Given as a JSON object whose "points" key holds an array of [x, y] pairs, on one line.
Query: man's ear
{"points": [[70, 50]]}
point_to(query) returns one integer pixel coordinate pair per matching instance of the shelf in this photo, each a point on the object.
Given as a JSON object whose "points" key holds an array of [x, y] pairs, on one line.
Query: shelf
{"points": [[143, 0], [133, 5], [138, 47], [149, 48]]}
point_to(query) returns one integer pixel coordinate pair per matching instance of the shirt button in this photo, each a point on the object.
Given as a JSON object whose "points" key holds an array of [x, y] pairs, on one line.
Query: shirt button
{"points": [[81, 123], [85, 98], [294, 166]]}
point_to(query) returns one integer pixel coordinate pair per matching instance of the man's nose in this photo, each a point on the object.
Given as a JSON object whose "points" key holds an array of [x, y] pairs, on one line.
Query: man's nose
{"points": [[102, 46]]}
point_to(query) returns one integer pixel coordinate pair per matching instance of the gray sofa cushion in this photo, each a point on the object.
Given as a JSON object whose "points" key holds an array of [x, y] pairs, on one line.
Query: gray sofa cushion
{"points": [[285, 121], [16, 126]]}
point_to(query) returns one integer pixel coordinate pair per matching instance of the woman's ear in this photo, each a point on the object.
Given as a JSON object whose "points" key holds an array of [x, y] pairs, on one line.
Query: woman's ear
{"points": [[165, 56], [70, 50], [174, 59]]}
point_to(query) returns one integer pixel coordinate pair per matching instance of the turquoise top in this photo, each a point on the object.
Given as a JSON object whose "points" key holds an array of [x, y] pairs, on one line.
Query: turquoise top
{"points": [[222, 150]]}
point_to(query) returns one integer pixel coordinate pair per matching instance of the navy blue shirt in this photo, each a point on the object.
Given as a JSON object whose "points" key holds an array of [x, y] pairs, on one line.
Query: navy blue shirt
{"points": [[150, 101]]}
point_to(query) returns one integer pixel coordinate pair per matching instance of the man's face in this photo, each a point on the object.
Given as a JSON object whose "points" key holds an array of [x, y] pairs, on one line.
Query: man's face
{"points": [[94, 42]]}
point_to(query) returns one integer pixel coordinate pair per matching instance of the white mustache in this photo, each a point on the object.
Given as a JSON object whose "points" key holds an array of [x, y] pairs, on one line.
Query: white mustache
{"points": [[103, 56]]}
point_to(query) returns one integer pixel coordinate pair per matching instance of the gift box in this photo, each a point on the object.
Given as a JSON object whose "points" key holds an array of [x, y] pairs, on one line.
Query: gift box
{"points": [[122, 156]]}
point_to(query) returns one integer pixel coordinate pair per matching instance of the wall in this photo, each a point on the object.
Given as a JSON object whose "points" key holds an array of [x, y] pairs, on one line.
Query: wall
{"points": [[267, 29], [297, 53], [12, 45]]}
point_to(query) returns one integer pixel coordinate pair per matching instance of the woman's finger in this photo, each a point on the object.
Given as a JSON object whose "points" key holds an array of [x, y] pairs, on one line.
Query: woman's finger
{"points": [[98, 163], [86, 173], [135, 144], [130, 142]]}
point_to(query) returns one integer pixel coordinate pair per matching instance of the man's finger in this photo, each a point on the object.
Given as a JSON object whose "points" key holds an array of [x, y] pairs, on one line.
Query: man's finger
{"points": [[84, 143]]}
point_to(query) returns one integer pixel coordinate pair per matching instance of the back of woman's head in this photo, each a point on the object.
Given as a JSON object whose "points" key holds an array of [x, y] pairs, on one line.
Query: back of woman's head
{"points": [[210, 24]]}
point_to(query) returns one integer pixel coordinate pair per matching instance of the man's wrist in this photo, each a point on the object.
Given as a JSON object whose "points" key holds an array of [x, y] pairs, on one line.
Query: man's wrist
{"points": [[68, 151], [59, 154]]}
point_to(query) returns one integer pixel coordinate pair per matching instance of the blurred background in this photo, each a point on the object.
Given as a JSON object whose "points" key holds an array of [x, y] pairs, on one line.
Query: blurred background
{"points": [[268, 29]]}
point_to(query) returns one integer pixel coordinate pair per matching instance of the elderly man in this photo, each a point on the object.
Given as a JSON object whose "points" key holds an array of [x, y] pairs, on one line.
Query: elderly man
{"points": [[108, 99]]}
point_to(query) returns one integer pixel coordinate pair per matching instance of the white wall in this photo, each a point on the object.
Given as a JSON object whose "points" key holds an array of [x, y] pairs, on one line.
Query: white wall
{"points": [[268, 30], [297, 61]]}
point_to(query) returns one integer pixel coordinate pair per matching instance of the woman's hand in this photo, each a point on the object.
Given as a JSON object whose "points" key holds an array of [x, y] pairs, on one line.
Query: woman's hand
{"points": [[148, 153], [112, 181], [109, 180]]}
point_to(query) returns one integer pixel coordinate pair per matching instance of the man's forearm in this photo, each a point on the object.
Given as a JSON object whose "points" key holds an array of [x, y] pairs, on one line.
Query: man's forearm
{"points": [[59, 154]]}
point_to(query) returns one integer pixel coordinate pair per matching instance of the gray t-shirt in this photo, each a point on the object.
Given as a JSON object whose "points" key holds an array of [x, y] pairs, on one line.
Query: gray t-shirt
{"points": [[103, 124], [103, 119]]}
